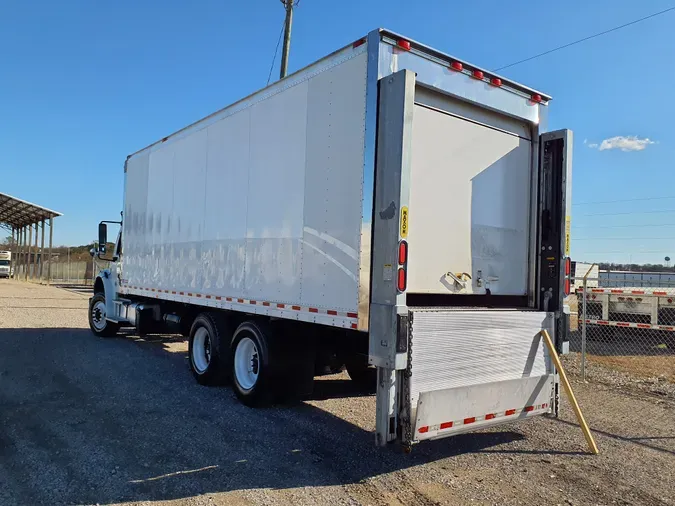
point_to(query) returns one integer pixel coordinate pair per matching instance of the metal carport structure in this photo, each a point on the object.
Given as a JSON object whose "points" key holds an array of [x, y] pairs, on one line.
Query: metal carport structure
{"points": [[23, 219]]}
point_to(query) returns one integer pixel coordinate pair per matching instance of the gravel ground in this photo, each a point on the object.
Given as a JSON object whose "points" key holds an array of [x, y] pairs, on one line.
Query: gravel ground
{"points": [[86, 420], [608, 374]]}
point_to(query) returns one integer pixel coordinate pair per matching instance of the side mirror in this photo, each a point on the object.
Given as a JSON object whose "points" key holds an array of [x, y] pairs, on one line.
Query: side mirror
{"points": [[102, 238]]}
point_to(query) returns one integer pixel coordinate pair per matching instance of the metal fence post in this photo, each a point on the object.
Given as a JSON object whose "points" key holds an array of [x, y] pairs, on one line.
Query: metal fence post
{"points": [[583, 332], [42, 251], [583, 325], [51, 235]]}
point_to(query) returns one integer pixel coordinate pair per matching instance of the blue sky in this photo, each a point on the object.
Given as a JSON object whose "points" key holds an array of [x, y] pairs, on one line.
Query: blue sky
{"points": [[84, 83]]}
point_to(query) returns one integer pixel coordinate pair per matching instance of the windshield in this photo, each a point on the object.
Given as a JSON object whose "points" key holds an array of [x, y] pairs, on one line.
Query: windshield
{"points": [[4, 262]]}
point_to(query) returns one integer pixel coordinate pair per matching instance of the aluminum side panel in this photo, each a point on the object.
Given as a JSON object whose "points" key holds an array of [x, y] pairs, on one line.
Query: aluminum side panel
{"points": [[262, 202], [332, 203], [135, 245], [452, 349], [226, 204], [274, 218]]}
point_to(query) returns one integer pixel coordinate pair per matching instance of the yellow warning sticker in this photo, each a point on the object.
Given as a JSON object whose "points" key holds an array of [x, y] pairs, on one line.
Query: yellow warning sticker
{"points": [[404, 222], [568, 231]]}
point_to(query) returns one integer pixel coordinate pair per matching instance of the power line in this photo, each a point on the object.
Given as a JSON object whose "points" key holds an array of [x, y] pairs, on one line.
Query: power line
{"points": [[624, 252], [622, 238], [620, 201], [283, 25], [642, 225], [585, 39], [631, 212]]}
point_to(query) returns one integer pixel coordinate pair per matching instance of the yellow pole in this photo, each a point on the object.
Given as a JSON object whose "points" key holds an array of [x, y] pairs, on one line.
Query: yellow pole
{"points": [[592, 447]]}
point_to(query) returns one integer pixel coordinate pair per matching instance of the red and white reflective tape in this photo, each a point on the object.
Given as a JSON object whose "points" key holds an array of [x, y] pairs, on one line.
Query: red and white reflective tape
{"points": [[631, 325], [236, 300], [622, 291], [474, 419]]}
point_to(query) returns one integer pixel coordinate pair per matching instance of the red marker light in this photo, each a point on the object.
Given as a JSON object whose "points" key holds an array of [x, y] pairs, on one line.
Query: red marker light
{"points": [[402, 252], [403, 44], [536, 98], [455, 65], [477, 74], [402, 281], [495, 81]]}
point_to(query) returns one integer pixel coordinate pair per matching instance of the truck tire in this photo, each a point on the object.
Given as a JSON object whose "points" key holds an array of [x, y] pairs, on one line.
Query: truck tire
{"points": [[363, 375], [252, 373], [97, 313], [208, 350]]}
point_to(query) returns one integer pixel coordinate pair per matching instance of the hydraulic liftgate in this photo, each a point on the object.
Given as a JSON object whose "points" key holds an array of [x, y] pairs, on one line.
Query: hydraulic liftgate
{"points": [[447, 370]]}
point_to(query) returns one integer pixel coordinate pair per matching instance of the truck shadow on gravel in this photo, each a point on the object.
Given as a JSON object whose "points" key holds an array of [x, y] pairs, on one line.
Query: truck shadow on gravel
{"points": [[90, 420]]}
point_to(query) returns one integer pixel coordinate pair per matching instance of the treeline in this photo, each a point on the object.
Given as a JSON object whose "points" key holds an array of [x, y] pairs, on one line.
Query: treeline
{"points": [[635, 267], [60, 253]]}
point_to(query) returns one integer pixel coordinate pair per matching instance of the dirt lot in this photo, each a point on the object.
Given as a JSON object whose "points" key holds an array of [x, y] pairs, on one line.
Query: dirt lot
{"points": [[86, 420]]}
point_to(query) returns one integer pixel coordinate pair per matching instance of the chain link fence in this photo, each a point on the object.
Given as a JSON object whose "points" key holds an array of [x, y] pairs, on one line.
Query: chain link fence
{"points": [[622, 330], [79, 272]]}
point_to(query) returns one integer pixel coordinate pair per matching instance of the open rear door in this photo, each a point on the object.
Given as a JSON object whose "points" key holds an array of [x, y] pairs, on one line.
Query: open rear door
{"points": [[555, 204]]}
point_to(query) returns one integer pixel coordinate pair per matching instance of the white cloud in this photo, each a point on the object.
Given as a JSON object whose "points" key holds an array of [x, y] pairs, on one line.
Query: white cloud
{"points": [[624, 143]]}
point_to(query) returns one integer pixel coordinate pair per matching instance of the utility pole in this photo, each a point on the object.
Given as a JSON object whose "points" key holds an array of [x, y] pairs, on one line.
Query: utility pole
{"points": [[288, 5]]}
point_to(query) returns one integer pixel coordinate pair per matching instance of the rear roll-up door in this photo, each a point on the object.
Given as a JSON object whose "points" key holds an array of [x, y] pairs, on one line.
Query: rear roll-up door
{"points": [[470, 200]]}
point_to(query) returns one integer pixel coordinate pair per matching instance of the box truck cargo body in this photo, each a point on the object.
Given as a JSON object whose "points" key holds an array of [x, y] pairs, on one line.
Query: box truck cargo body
{"points": [[389, 207]]}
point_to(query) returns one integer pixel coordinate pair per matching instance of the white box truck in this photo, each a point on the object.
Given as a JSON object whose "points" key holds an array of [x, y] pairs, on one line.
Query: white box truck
{"points": [[389, 207], [6, 264]]}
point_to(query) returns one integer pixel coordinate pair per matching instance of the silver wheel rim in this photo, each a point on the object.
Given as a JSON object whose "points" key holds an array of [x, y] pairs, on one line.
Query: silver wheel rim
{"points": [[201, 350], [246, 363], [98, 315]]}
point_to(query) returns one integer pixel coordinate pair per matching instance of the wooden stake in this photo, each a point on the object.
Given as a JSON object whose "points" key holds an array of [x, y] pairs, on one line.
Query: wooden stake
{"points": [[592, 447]]}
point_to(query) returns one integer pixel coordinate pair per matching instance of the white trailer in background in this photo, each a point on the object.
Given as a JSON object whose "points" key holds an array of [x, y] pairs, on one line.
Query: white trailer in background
{"points": [[5, 264], [579, 271], [389, 207]]}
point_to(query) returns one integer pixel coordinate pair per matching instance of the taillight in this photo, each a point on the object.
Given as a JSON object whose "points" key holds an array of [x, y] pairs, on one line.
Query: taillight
{"points": [[402, 280], [568, 270], [402, 252]]}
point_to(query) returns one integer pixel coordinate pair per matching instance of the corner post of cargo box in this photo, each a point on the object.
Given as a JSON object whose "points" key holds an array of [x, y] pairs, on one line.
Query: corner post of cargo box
{"points": [[555, 204], [388, 346]]}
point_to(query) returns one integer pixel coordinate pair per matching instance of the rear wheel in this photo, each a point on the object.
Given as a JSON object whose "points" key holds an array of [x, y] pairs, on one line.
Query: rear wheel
{"points": [[251, 367], [208, 350], [97, 317]]}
